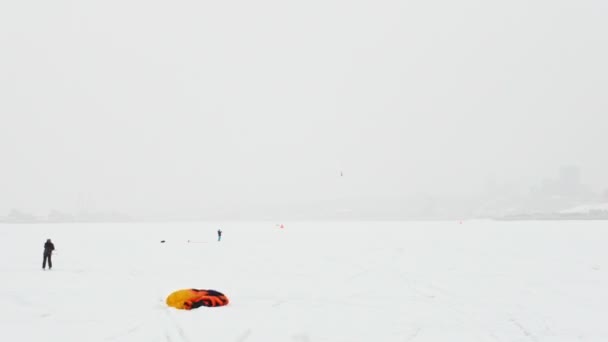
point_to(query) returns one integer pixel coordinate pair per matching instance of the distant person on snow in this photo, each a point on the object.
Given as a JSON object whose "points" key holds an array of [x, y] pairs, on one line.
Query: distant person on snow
{"points": [[49, 247], [219, 235]]}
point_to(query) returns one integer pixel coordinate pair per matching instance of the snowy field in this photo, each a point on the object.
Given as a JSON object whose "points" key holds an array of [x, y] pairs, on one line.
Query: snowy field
{"points": [[309, 282]]}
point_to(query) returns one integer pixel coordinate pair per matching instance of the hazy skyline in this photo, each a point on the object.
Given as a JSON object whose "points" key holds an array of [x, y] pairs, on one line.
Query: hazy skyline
{"points": [[175, 107]]}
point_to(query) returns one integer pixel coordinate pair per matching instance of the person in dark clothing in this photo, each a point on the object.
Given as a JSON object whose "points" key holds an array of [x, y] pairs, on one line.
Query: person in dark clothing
{"points": [[49, 247], [219, 235]]}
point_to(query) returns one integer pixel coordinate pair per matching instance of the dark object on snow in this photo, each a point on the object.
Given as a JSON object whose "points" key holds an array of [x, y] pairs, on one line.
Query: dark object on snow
{"points": [[219, 234], [49, 247], [162, 241]]}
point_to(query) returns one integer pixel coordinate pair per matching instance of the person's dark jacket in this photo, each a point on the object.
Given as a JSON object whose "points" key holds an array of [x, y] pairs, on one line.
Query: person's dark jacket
{"points": [[48, 248]]}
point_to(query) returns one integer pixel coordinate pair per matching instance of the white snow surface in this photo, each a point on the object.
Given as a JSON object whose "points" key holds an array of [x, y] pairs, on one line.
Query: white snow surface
{"points": [[334, 282]]}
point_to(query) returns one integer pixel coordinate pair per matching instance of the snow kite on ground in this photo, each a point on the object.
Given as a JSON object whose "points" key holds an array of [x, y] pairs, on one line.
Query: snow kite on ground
{"points": [[189, 299]]}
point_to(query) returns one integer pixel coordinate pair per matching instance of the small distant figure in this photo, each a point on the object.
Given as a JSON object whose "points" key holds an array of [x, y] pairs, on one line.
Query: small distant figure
{"points": [[49, 247], [219, 235]]}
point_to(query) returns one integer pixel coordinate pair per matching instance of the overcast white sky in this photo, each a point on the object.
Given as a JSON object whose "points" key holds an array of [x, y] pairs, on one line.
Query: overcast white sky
{"points": [[173, 106]]}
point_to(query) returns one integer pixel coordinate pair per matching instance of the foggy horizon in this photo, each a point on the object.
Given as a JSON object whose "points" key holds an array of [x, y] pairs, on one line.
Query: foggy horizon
{"points": [[156, 109]]}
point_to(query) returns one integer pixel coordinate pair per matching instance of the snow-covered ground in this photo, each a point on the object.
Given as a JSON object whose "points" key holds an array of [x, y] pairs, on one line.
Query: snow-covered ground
{"points": [[334, 282]]}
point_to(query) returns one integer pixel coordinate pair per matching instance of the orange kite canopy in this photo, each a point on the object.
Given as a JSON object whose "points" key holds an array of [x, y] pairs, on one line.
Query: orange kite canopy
{"points": [[189, 299]]}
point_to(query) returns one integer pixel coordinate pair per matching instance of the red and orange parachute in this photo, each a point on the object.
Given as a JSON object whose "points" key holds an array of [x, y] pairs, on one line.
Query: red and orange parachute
{"points": [[189, 299]]}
